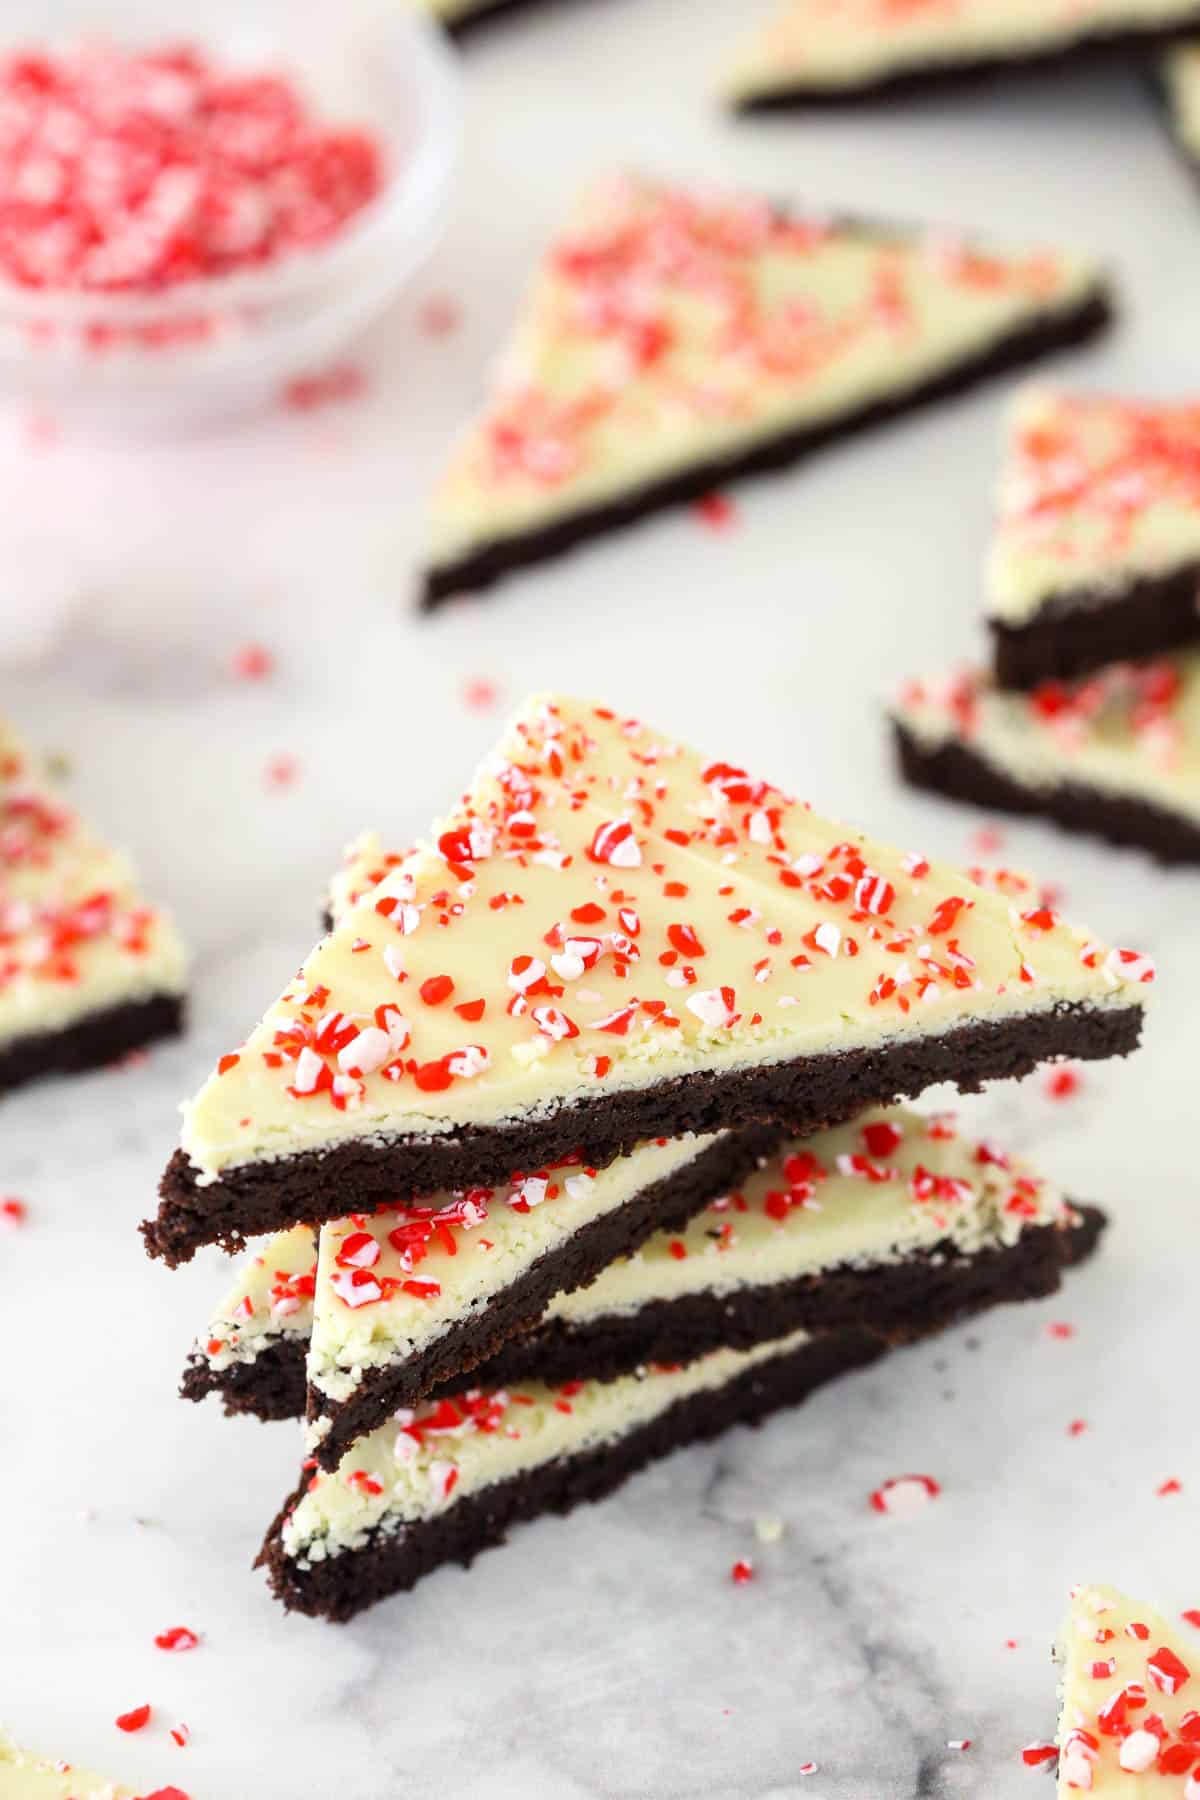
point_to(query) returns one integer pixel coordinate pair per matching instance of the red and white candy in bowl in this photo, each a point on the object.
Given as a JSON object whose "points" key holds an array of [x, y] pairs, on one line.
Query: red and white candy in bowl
{"points": [[191, 219]]}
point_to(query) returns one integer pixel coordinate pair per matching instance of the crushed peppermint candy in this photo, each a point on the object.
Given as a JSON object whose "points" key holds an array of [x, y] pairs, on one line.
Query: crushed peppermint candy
{"points": [[902, 1494], [127, 171]]}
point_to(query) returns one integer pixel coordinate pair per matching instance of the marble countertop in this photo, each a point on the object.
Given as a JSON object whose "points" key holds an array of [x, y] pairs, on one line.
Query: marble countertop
{"points": [[608, 1654]]}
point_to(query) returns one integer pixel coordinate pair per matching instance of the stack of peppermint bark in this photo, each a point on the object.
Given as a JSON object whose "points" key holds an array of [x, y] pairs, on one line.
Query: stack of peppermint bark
{"points": [[1090, 714], [578, 1132]]}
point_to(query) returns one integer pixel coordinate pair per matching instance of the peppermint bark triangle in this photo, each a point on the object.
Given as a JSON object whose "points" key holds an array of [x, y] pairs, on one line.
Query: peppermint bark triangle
{"points": [[1096, 557], [892, 1223], [88, 971], [839, 52], [614, 940], [672, 340], [1116, 755], [1130, 1722]]}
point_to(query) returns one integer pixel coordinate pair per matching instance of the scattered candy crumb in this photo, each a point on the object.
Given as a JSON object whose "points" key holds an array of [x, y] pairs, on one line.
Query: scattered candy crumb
{"points": [[479, 694], [439, 315], [808, 1768], [13, 1211], [282, 770], [1060, 1329], [134, 1720], [987, 840], [716, 510], [180, 1734], [741, 1573], [329, 387], [958, 1743], [1077, 1427], [1036, 1756], [252, 662], [1170, 1486], [1192, 1616], [905, 1493], [1062, 1083], [177, 1637]]}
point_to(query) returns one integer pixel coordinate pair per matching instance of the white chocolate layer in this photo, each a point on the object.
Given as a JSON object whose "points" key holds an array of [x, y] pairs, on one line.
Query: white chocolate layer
{"points": [[75, 935], [1095, 493], [1130, 732], [832, 44], [1181, 78], [831, 1202], [269, 1301], [403, 1473], [613, 912], [1123, 1667], [378, 1304], [667, 329], [24, 1776]]}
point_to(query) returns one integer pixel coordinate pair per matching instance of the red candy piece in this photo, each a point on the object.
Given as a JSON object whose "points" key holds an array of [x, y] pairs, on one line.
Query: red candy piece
{"points": [[133, 1721]]}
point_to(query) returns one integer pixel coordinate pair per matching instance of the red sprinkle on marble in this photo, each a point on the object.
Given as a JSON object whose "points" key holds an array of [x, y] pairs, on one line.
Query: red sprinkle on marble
{"points": [[252, 662], [13, 1211], [1060, 1328], [1170, 1486], [904, 1493], [1062, 1083], [325, 387], [1036, 1756], [741, 1573], [986, 841], [958, 1743], [479, 694], [282, 770], [180, 1734], [716, 510], [808, 1768], [133, 1721], [1077, 1427], [439, 315], [177, 1637]]}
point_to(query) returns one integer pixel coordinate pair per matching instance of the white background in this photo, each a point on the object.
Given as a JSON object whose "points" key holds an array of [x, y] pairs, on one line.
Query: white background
{"points": [[608, 1655]]}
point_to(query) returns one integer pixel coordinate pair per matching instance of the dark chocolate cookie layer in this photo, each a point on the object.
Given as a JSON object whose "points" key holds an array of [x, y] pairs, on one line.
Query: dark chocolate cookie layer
{"points": [[1024, 344], [474, 24], [392, 1561], [1089, 50], [896, 1301], [663, 1332], [1081, 631], [802, 1096], [91, 1043], [665, 1206], [270, 1387], [962, 773]]}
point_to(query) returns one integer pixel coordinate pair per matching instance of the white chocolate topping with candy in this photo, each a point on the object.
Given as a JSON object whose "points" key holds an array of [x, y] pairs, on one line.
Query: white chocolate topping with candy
{"points": [[607, 911], [667, 328], [76, 937]]}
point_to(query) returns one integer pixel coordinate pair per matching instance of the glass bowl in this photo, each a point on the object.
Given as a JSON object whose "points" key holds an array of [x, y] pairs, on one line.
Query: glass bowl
{"points": [[211, 348]]}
